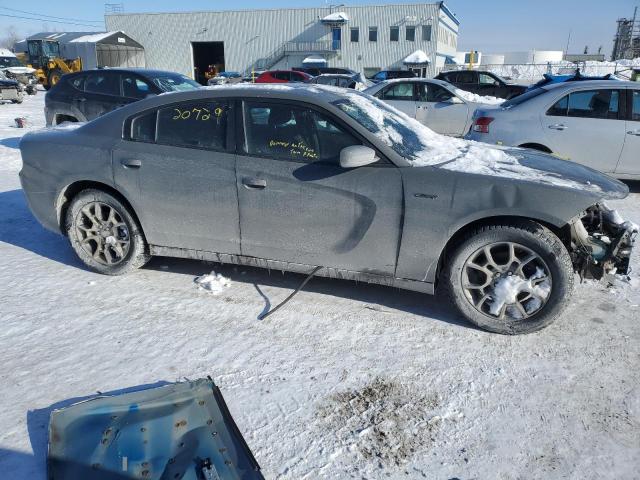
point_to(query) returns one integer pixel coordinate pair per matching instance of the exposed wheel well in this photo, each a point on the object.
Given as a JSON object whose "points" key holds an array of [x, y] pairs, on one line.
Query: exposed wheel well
{"points": [[536, 146], [61, 118], [68, 194], [563, 233]]}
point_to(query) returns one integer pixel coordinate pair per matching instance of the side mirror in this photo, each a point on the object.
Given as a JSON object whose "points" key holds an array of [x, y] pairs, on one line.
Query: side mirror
{"points": [[357, 156]]}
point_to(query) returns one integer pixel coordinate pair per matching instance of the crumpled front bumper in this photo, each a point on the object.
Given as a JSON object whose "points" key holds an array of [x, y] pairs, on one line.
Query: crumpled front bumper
{"points": [[602, 242]]}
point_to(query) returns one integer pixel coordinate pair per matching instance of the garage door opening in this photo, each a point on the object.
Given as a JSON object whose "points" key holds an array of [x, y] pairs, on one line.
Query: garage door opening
{"points": [[208, 58]]}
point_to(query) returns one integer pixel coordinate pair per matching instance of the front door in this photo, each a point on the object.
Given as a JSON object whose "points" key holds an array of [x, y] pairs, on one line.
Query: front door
{"points": [[298, 205], [336, 38], [629, 163], [584, 127], [441, 110], [180, 176], [101, 94]]}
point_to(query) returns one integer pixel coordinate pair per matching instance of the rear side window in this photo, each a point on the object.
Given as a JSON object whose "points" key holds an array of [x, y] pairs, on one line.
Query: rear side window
{"points": [[465, 77], [143, 128], [635, 106], [281, 75], [193, 125], [602, 104], [102, 83], [523, 98], [78, 82]]}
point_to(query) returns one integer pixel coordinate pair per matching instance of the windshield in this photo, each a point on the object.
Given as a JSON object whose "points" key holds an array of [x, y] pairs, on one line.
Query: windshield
{"points": [[406, 136], [523, 98], [175, 83], [6, 62], [50, 49]]}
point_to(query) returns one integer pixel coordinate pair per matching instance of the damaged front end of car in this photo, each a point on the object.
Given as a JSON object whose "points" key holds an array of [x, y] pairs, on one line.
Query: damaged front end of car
{"points": [[601, 243]]}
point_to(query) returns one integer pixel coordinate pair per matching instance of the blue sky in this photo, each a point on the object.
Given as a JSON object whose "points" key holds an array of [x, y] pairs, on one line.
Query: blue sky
{"points": [[486, 25]]}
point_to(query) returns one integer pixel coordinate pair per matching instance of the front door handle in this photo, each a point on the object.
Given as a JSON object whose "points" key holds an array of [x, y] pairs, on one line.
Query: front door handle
{"points": [[558, 126], [131, 163], [254, 183], [634, 132]]}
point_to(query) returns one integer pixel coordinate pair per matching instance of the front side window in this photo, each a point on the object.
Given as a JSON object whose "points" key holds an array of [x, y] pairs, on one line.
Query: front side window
{"points": [[436, 93], [281, 76], [194, 124], [465, 77], [485, 79], [426, 33], [635, 106], [602, 104], [399, 91], [103, 83], [373, 34], [355, 34], [395, 34], [175, 82], [411, 34], [293, 133], [134, 87]]}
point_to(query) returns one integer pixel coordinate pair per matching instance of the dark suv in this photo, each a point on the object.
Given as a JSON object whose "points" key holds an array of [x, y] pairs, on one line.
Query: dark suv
{"points": [[483, 83], [383, 75], [83, 96]]}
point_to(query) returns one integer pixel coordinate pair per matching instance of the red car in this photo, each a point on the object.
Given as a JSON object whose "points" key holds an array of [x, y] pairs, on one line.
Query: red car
{"points": [[283, 76]]}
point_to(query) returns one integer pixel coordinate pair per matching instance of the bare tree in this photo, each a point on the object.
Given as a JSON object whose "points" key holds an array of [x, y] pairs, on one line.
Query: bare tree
{"points": [[9, 39]]}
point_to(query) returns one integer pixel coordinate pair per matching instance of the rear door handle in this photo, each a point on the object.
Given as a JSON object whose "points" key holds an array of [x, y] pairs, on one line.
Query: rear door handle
{"points": [[254, 183], [558, 126], [634, 132], [131, 163]]}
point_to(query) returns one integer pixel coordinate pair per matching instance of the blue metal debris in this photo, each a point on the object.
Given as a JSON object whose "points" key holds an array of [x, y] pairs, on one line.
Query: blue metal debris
{"points": [[178, 431]]}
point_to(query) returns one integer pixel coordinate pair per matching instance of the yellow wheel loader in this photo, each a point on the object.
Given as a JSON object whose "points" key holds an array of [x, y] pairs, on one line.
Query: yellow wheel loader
{"points": [[44, 56]]}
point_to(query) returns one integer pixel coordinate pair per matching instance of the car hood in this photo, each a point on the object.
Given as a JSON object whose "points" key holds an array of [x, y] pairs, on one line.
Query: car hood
{"points": [[524, 165]]}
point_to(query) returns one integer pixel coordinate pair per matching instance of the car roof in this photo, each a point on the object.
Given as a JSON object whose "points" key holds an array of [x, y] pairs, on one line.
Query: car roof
{"points": [[391, 81], [583, 84], [140, 71], [339, 75]]}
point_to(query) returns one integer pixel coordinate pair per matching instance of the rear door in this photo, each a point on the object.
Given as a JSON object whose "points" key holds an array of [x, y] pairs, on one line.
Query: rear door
{"points": [[402, 95], [586, 126], [177, 166], [101, 94], [441, 110], [629, 163], [298, 205]]}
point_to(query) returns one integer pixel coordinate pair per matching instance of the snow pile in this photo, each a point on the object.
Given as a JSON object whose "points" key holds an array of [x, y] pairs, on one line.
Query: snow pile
{"points": [[417, 57], [336, 17], [213, 282], [533, 72], [475, 98], [508, 288]]}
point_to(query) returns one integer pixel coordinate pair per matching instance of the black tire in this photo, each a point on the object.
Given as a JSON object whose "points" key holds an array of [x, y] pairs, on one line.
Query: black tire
{"points": [[531, 236], [128, 232]]}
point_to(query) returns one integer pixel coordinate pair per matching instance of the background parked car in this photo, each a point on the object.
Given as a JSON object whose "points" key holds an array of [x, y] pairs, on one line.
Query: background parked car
{"points": [[225, 78], [596, 123], [483, 83], [391, 74], [10, 89], [433, 103], [83, 96], [283, 76], [354, 81], [315, 71]]}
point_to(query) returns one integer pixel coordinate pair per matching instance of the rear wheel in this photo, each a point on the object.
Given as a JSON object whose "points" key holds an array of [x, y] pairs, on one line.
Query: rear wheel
{"points": [[510, 278], [105, 234]]}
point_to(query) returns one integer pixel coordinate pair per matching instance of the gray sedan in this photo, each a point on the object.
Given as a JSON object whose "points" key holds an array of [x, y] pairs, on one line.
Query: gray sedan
{"points": [[299, 177]]}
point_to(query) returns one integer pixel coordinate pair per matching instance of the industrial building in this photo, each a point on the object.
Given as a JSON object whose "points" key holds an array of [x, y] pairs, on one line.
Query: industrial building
{"points": [[363, 38]]}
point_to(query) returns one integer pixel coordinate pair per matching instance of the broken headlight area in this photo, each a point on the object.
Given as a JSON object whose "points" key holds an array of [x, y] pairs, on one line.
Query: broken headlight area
{"points": [[601, 243], [176, 431]]}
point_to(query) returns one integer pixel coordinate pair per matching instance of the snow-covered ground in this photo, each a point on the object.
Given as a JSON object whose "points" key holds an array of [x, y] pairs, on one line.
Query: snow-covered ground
{"points": [[346, 381]]}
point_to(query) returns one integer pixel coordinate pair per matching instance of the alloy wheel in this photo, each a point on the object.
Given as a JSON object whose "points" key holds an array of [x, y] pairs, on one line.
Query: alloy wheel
{"points": [[102, 233]]}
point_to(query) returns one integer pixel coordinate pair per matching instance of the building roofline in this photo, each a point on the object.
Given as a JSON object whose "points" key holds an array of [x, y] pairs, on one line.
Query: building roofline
{"points": [[349, 7], [449, 13]]}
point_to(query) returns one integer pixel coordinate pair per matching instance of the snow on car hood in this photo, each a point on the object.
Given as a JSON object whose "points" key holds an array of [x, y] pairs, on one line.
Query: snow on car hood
{"points": [[19, 70], [422, 147], [475, 98]]}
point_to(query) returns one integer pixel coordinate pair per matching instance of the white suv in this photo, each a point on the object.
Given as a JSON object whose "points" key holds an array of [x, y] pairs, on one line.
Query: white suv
{"points": [[595, 123]]}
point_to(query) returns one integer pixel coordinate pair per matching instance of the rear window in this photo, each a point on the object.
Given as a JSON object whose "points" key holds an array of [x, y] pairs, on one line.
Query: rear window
{"points": [[523, 98]]}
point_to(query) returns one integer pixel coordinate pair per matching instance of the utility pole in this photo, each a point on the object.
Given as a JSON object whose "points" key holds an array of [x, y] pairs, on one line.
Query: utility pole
{"points": [[566, 50]]}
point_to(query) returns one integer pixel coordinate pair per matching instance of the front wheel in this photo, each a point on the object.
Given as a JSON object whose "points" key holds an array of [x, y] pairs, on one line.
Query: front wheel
{"points": [[510, 278], [105, 234]]}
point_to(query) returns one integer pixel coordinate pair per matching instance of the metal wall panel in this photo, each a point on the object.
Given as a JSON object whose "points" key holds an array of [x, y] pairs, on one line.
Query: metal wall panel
{"points": [[252, 35]]}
